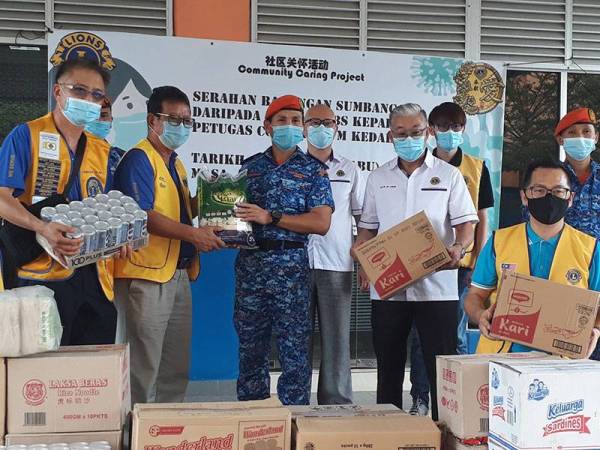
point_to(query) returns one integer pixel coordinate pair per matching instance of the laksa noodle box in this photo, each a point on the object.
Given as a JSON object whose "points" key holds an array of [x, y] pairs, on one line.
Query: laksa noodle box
{"points": [[402, 255], [544, 404], [74, 389], [217, 199], [228, 426], [545, 315]]}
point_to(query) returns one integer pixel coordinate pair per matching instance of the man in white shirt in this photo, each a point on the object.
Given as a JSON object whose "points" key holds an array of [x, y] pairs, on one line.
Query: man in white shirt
{"points": [[330, 261], [416, 181]]}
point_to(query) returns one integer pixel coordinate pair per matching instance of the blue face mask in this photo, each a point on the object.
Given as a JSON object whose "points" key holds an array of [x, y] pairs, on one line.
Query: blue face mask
{"points": [[174, 136], [448, 140], [321, 137], [410, 149], [579, 148], [99, 128], [287, 137], [81, 112]]}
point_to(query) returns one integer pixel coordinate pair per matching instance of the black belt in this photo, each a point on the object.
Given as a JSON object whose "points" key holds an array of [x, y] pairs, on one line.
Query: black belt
{"points": [[273, 244], [184, 263]]}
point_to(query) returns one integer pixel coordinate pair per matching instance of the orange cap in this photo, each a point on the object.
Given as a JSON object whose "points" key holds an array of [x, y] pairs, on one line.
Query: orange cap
{"points": [[284, 102], [579, 115]]}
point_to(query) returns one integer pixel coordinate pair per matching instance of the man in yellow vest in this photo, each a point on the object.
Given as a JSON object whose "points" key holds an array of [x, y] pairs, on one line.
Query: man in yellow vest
{"points": [[153, 293], [35, 162], [544, 247]]}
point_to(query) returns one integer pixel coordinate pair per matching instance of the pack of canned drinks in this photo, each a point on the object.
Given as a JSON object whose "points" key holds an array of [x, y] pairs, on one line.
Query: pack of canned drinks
{"points": [[105, 222]]}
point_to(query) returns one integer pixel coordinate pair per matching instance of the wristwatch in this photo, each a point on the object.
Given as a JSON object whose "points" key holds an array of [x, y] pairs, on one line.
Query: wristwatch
{"points": [[463, 251], [275, 217]]}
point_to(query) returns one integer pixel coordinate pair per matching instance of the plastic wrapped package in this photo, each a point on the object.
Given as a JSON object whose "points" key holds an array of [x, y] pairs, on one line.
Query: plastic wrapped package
{"points": [[10, 329], [217, 199], [29, 321]]}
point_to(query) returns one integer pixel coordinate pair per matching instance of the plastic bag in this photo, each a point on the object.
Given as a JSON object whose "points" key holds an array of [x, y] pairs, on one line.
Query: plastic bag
{"points": [[217, 197], [29, 321]]}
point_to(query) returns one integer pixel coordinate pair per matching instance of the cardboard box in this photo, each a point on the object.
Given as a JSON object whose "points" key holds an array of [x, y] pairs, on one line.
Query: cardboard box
{"points": [[451, 442], [112, 437], [545, 315], [463, 391], [232, 426], [75, 389], [271, 402], [2, 398], [545, 404], [343, 410], [379, 432], [402, 255]]}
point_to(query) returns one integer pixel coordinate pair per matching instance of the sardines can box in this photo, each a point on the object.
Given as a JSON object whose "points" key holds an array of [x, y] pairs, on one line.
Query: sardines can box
{"points": [[545, 315], [113, 438], [2, 398], [376, 432], [217, 200], [232, 426], [545, 404], [74, 389], [463, 390], [402, 255]]}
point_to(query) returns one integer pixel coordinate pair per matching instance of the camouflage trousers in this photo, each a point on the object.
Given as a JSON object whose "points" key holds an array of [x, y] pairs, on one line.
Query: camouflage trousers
{"points": [[272, 297]]}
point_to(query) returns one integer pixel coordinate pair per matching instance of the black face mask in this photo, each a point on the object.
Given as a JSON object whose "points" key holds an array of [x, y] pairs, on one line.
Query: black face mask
{"points": [[549, 209]]}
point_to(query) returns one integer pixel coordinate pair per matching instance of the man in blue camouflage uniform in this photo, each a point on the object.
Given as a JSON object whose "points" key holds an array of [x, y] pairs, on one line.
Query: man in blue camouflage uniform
{"points": [[577, 133], [289, 197]]}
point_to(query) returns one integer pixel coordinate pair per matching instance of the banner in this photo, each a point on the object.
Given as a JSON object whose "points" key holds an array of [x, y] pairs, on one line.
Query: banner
{"points": [[231, 84]]}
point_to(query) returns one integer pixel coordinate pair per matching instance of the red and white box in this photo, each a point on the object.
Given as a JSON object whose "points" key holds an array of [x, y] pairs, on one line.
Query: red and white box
{"points": [[544, 404], [74, 389], [463, 391]]}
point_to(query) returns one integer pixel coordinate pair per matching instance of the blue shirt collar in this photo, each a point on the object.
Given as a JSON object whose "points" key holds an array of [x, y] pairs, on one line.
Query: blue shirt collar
{"points": [[269, 153], [533, 238]]}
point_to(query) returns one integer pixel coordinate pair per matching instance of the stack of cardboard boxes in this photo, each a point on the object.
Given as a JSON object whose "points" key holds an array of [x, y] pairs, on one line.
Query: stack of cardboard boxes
{"points": [[77, 394], [463, 397]]}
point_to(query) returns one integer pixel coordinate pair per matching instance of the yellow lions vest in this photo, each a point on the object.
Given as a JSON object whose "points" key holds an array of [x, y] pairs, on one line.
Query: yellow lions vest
{"points": [[48, 174], [158, 261], [471, 169], [573, 255]]}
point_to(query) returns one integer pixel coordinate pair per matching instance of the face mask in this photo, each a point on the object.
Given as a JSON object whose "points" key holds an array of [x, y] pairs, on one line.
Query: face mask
{"points": [[321, 137], [287, 137], [579, 148], [129, 130], [449, 140], [81, 112], [99, 128], [410, 149], [174, 136], [549, 209]]}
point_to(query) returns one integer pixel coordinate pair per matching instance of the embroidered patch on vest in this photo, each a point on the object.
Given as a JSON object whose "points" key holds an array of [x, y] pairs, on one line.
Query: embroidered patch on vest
{"points": [[93, 187], [574, 276]]}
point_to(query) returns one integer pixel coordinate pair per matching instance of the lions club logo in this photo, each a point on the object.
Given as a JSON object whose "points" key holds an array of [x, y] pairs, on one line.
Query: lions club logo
{"points": [[574, 276], [93, 187], [34, 392], [479, 88], [81, 44], [154, 430]]}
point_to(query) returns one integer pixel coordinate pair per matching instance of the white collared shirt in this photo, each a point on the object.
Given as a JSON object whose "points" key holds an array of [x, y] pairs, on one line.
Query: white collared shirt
{"points": [[436, 188], [332, 251]]}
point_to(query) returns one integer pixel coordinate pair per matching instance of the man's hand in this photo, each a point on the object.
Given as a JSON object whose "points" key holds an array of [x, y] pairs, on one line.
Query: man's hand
{"points": [[53, 232], [485, 321], [593, 342], [205, 239], [253, 213], [124, 252], [363, 280], [455, 257]]}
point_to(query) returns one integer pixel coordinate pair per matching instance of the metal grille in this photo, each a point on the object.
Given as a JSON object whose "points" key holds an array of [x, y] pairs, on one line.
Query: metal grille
{"points": [[22, 18], [586, 31]]}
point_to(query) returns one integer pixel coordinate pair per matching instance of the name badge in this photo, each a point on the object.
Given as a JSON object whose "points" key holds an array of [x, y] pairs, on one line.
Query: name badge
{"points": [[49, 146]]}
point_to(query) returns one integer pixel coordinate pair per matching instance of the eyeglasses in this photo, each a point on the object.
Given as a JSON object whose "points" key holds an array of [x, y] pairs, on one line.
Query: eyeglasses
{"points": [[537, 191], [82, 92], [450, 126], [328, 123], [412, 134], [176, 121]]}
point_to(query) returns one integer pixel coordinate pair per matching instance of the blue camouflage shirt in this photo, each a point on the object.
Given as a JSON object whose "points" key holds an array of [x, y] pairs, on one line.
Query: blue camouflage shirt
{"points": [[294, 187], [584, 215]]}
